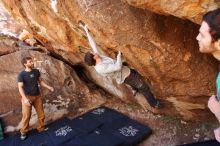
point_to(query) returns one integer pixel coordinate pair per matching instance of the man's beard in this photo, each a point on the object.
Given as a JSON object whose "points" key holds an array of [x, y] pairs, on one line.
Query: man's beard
{"points": [[31, 66]]}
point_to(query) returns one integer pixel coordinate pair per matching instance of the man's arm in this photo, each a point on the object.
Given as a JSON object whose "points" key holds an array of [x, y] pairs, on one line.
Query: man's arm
{"points": [[43, 84], [109, 68], [214, 106], [24, 99], [91, 40]]}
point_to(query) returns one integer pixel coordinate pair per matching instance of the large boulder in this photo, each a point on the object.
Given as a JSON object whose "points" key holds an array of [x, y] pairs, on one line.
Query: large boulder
{"points": [[185, 9], [163, 49]]}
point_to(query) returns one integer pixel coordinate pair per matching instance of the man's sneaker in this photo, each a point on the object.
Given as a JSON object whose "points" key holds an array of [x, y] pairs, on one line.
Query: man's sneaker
{"points": [[23, 137], [45, 129]]}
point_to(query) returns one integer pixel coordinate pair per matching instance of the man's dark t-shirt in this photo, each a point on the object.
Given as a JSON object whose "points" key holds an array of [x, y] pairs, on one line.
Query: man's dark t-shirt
{"points": [[30, 81]]}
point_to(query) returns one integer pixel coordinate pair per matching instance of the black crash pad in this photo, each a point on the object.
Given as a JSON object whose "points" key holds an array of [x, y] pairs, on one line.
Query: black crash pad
{"points": [[119, 125], [61, 131], [99, 127], [96, 138], [85, 124], [1, 132], [132, 133], [7, 142], [104, 114], [34, 139], [38, 139], [204, 143], [115, 124]]}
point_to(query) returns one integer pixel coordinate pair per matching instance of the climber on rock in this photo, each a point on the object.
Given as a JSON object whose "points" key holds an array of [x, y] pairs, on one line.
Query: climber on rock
{"points": [[209, 42], [114, 69]]}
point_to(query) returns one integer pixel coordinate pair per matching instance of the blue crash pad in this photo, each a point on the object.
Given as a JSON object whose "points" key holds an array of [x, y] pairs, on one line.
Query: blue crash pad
{"points": [[204, 143], [99, 127], [96, 138], [104, 114], [1, 132], [132, 133], [85, 124], [8, 142]]}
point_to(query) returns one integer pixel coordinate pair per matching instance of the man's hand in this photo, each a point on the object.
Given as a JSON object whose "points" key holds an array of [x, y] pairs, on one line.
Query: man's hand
{"points": [[43, 84], [217, 134], [51, 89], [83, 25], [116, 53], [214, 105], [26, 101], [119, 52]]}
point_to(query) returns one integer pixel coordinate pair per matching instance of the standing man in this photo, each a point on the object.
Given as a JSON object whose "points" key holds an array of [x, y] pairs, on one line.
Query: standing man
{"points": [[209, 42], [28, 85], [114, 69]]}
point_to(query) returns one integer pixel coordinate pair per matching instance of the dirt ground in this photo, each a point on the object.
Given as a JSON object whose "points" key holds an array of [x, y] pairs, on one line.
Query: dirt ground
{"points": [[167, 130]]}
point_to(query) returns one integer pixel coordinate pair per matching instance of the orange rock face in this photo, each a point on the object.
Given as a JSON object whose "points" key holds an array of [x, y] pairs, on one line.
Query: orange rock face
{"points": [[162, 48], [190, 9]]}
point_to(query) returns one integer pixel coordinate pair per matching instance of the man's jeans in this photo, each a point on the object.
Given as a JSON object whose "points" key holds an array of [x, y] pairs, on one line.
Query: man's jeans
{"points": [[36, 101], [137, 83]]}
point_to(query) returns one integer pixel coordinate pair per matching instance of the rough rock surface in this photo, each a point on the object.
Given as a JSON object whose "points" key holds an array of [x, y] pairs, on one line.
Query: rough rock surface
{"points": [[185, 9], [163, 49], [8, 25], [7, 45]]}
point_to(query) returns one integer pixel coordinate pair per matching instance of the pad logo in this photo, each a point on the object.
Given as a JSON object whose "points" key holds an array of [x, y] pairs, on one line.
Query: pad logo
{"points": [[63, 131], [128, 131], [98, 111]]}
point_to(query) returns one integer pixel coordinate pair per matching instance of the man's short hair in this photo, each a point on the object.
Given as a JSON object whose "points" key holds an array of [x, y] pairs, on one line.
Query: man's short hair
{"points": [[24, 60], [89, 59], [212, 18]]}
